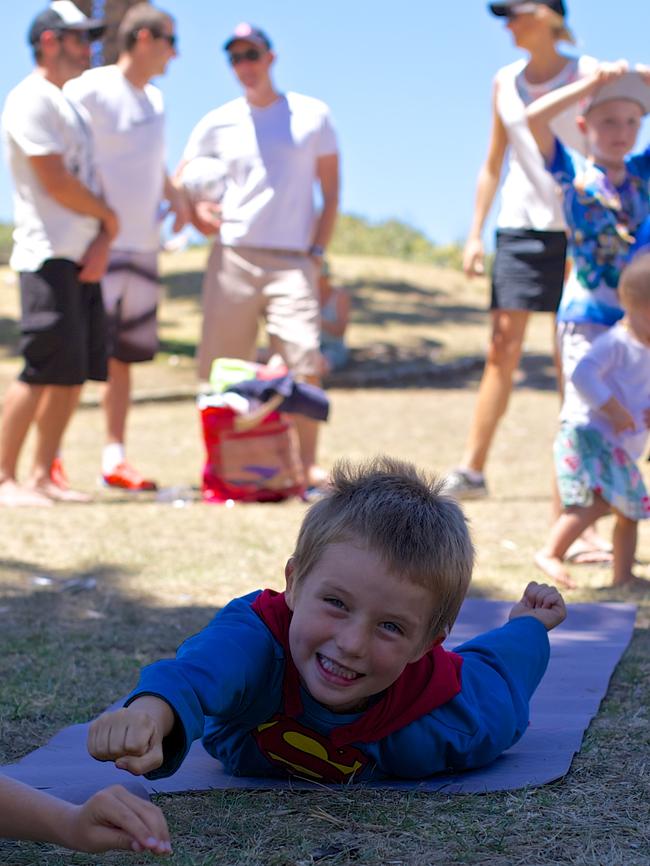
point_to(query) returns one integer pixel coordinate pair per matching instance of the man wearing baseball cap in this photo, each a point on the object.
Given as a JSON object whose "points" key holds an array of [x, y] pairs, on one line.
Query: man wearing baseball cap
{"points": [[63, 231], [276, 148], [127, 120]]}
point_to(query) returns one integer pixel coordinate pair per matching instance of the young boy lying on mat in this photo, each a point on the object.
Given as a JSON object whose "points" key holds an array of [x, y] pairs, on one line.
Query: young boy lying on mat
{"points": [[343, 676]]}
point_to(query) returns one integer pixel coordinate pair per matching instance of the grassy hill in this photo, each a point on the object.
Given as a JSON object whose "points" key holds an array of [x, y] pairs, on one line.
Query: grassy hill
{"points": [[354, 236]]}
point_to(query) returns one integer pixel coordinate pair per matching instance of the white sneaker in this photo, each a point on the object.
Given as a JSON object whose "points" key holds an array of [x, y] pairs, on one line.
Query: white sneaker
{"points": [[465, 485]]}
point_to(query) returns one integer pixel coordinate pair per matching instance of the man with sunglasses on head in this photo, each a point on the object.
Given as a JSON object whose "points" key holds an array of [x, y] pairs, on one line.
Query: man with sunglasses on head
{"points": [[63, 231], [126, 117], [274, 149]]}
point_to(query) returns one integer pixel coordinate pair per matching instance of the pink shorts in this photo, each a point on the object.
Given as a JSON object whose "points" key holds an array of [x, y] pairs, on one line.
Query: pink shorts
{"points": [[243, 285]]}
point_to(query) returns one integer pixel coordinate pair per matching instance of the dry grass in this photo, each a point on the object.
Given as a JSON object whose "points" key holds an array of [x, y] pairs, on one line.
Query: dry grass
{"points": [[159, 572]]}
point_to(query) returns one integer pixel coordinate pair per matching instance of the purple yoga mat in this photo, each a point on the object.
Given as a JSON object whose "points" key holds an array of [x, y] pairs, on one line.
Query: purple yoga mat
{"points": [[584, 652]]}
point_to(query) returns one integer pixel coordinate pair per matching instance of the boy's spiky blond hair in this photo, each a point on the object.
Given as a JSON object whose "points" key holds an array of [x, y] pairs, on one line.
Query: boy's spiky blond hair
{"points": [[404, 516]]}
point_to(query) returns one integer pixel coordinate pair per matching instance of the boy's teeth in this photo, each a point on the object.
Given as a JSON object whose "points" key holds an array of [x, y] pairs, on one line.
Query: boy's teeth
{"points": [[332, 668]]}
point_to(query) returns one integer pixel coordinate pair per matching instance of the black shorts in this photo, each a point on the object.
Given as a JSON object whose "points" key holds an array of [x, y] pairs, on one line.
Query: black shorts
{"points": [[528, 272], [63, 326]]}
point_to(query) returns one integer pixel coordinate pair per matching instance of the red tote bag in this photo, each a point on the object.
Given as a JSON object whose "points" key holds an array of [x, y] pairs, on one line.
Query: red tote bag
{"points": [[250, 458]]}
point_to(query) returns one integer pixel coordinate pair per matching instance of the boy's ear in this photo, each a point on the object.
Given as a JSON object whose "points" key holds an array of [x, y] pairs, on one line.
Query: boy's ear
{"points": [[582, 124], [289, 571], [429, 645]]}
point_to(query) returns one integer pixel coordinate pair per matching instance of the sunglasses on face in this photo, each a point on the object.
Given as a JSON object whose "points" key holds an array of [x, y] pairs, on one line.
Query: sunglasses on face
{"points": [[170, 38], [237, 57], [81, 37]]}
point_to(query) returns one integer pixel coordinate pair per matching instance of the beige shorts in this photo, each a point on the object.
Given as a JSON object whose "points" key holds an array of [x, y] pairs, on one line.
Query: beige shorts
{"points": [[130, 289], [243, 285]]}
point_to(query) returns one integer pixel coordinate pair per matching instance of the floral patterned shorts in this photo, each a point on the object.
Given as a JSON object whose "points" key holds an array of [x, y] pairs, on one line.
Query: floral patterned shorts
{"points": [[587, 464]]}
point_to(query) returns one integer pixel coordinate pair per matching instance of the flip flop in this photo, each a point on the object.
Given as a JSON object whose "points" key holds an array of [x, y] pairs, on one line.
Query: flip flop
{"points": [[582, 554]]}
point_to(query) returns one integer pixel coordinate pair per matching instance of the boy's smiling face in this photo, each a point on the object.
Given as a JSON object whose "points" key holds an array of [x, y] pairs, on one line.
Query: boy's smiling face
{"points": [[355, 626], [611, 129]]}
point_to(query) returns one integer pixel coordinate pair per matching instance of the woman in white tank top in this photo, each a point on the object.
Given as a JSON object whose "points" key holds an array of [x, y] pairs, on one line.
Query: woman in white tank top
{"points": [[531, 241]]}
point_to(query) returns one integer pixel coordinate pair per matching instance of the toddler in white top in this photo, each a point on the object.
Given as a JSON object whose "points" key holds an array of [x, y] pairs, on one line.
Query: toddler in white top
{"points": [[604, 431]]}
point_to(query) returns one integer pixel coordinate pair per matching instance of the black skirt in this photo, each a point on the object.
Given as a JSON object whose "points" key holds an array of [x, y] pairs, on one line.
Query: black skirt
{"points": [[528, 272]]}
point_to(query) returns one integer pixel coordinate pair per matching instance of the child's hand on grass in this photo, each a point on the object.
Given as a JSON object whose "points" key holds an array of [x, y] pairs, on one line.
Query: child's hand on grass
{"points": [[543, 602], [115, 819], [132, 737]]}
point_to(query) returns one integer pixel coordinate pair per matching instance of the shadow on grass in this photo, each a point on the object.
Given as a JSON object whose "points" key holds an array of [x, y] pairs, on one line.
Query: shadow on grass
{"points": [[385, 365], [411, 305], [185, 348], [184, 284], [69, 647], [376, 302]]}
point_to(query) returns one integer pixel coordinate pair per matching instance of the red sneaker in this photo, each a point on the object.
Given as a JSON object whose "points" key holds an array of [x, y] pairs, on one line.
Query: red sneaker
{"points": [[58, 488], [58, 475], [126, 477]]}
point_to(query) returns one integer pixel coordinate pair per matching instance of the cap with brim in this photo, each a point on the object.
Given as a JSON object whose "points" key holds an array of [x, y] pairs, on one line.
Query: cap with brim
{"points": [[64, 15], [247, 33], [630, 86], [502, 9]]}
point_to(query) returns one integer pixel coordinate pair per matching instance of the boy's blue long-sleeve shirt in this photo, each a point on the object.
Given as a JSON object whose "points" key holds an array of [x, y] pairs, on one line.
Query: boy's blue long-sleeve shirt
{"points": [[226, 684]]}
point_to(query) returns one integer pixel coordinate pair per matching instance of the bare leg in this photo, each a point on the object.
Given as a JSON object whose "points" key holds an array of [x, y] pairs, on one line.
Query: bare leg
{"points": [[19, 410], [556, 502], [504, 353], [625, 535], [117, 396], [570, 524], [590, 548], [557, 359], [54, 412]]}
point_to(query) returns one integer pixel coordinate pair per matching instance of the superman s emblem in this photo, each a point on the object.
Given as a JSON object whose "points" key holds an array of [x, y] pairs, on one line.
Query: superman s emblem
{"points": [[303, 752]]}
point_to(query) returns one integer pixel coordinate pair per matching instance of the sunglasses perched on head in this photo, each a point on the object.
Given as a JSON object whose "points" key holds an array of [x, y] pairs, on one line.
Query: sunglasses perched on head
{"points": [[251, 54], [522, 9]]}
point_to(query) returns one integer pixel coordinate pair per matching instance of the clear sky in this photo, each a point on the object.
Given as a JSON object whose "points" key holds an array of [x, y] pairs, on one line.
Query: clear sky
{"points": [[408, 82]]}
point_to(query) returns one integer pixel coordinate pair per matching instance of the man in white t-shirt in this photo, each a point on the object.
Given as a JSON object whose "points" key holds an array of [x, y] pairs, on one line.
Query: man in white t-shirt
{"points": [[273, 150], [126, 116], [63, 231]]}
